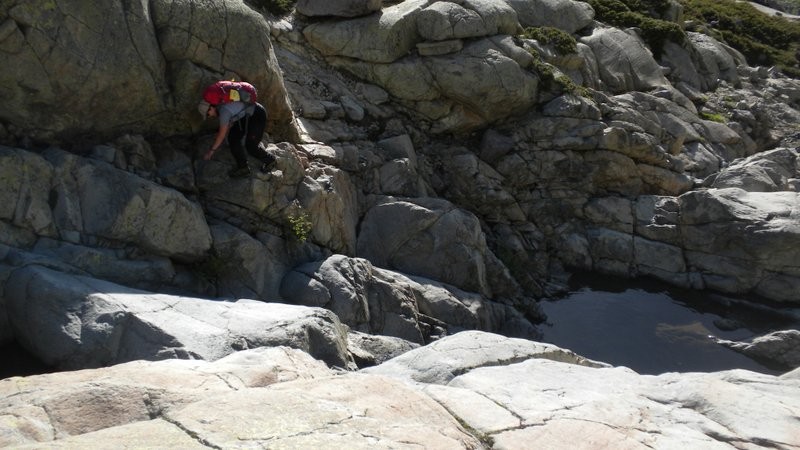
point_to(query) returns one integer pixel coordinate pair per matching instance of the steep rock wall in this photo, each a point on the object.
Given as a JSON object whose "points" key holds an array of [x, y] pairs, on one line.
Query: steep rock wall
{"points": [[101, 69]]}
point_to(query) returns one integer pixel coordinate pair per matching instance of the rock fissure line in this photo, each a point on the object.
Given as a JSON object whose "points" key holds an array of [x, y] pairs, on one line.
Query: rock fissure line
{"points": [[761, 442], [51, 422], [505, 408], [192, 434], [151, 33], [227, 383], [153, 411]]}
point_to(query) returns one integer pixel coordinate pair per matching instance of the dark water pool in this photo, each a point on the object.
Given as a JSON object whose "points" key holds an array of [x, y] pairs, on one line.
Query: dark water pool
{"points": [[642, 324], [652, 328]]}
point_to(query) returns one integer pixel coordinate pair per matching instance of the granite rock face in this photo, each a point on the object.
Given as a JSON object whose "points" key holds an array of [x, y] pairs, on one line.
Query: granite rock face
{"points": [[72, 322], [778, 347], [345, 8], [493, 394], [111, 68], [689, 240], [435, 172]]}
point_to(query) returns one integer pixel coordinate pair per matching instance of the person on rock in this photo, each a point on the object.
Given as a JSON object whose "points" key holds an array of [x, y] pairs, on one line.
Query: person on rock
{"points": [[244, 125]]}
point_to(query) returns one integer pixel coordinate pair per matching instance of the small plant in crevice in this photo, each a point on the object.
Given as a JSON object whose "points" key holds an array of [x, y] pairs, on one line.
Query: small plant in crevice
{"points": [[572, 87], [299, 222], [549, 75], [713, 117], [563, 42]]}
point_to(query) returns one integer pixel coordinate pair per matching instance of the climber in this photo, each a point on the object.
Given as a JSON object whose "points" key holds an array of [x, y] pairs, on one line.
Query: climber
{"points": [[239, 121]]}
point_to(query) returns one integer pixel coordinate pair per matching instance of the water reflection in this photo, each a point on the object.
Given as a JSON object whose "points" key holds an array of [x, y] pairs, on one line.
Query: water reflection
{"points": [[653, 328], [694, 333]]}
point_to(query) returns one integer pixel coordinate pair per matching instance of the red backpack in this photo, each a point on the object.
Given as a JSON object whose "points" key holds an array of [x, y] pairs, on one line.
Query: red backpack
{"points": [[230, 91]]}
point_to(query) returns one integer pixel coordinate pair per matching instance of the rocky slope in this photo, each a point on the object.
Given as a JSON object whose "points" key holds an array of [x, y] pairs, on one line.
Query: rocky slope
{"points": [[436, 171]]}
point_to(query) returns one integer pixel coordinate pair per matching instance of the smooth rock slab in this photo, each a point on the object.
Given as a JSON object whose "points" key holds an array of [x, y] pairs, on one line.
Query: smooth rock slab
{"points": [[779, 347], [78, 322], [503, 397], [350, 411], [443, 360], [567, 15], [52, 406], [432, 238], [153, 434], [565, 406], [625, 63]]}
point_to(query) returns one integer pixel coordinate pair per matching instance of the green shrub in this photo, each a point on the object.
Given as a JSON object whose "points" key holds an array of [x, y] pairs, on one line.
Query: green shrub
{"points": [[714, 117], [549, 77], [299, 223], [637, 13], [762, 39], [563, 42]]}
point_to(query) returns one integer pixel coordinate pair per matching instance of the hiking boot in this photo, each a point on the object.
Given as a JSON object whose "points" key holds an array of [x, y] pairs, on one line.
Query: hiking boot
{"points": [[239, 172], [265, 167]]}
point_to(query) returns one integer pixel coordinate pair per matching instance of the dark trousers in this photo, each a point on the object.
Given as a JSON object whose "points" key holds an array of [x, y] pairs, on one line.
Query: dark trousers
{"points": [[249, 130]]}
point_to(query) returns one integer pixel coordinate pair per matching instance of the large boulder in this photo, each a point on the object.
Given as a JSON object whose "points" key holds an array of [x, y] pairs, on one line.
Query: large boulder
{"points": [[567, 15], [487, 81], [80, 200], [97, 200], [701, 62], [779, 348], [624, 61], [246, 267], [27, 180], [398, 29], [680, 59], [379, 301], [362, 297], [112, 68], [727, 240], [52, 406], [73, 322], [743, 241], [432, 238], [343, 411], [81, 67], [714, 61], [447, 358], [568, 406], [328, 196], [472, 18], [151, 272], [770, 171], [378, 38]]}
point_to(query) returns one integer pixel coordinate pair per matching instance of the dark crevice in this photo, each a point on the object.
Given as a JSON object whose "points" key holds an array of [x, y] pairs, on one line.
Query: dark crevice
{"points": [[18, 362]]}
